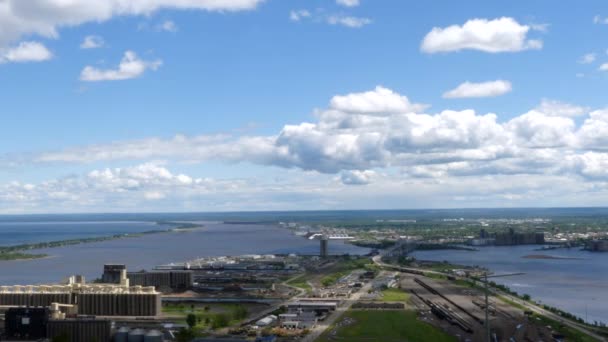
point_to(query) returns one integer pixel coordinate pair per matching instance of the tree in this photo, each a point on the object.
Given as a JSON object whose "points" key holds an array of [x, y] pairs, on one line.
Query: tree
{"points": [[526, 297], [63, 337], [191, 320], [220, 321], [184, 335], [240, 312]]}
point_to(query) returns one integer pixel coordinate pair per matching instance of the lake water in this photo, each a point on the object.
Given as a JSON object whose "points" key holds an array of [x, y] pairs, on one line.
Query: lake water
{"points": [[15, 233], [145, 252], [578, 285]]}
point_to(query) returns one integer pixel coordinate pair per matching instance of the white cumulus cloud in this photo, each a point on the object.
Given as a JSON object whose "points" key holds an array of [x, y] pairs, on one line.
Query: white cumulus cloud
{"points": [[422, 158], [167, 26], [483, 89], [587, 58], [297, 15], [25, 52], [130, 66], [497, 35], [45, 17], [381, 100], [348, 21], [559, 108], [348, 3], [357, 177], [92, 42]]}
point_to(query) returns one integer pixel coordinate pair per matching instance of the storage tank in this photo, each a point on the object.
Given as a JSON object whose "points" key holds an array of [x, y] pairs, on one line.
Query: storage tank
{"points": [[136, 335], [153, 336], [122, 335]]}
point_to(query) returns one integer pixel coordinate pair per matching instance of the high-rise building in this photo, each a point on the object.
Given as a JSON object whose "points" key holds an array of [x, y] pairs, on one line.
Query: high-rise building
{"points": [[324, 247], [111, 273]]}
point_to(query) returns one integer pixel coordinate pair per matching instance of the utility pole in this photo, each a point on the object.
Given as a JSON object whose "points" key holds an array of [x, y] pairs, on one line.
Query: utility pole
{"points": [[487, 321], [487, 291]]}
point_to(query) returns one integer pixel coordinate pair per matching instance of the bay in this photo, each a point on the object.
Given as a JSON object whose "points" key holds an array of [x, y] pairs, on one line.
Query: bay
{"points": [[145, 252], [575, 281]]}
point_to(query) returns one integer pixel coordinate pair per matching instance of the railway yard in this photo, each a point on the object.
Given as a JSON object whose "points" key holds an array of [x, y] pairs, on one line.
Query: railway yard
{"points": [[461, 312]]}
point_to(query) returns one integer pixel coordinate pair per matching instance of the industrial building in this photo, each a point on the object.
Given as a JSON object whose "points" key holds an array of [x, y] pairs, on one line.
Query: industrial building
{"points": [[298, 319], [26, 323], [162, 280], [511, 238], [597, 245], [78, 330], [319, 307], [87, 299], [44, 323], [266, 321], [111, 273], [253, 262]]}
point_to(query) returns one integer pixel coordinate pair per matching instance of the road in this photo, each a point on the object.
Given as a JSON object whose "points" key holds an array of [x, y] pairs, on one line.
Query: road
{"points": [[272, 308], [539, 310], [530, 306], [329, 321], [378, 261]]}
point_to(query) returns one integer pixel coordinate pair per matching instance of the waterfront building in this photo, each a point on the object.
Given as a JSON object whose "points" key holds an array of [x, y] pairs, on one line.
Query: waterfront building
{"points": [[162, 280], [87, 299], [597, 245], [324, 244], [111, 273], [512, 238], [78, 330], [26, 322]]}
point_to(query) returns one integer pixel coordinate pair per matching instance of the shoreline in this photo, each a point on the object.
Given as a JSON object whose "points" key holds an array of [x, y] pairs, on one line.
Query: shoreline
{"points": [[549, 257], [19, 252], [500, 261]]}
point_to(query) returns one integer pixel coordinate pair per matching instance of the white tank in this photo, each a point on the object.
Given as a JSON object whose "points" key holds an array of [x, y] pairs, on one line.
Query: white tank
{"points": [[122, 335], [136, 335], [153, 336]]}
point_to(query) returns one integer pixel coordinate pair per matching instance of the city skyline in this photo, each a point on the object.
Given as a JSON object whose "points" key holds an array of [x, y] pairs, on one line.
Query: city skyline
{"points": [[231, 105]]}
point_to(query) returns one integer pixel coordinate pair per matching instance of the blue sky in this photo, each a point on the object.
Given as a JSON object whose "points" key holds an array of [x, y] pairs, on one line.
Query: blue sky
{"points": [[238, 71]]}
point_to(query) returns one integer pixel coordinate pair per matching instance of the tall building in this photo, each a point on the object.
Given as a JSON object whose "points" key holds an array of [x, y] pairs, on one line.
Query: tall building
{"points": [[162, 280], [324, 243], [512, 238], [111, 273], [88, 299]]}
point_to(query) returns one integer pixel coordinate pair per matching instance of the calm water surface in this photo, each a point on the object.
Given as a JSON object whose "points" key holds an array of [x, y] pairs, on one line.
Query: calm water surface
{"points": [[578, 285], [15, 233], [145, 252]]}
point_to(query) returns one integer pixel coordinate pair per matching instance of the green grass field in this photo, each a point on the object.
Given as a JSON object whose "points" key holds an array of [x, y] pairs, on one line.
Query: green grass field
{"points": [[571, 334], [395, 295], [212, 316], [300, 282], [386, 326]]}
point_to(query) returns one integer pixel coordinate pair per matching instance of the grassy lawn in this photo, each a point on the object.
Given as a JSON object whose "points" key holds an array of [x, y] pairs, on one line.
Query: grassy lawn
{"points": [[571, 334], [387, 326], [395, 295], [210, 316], [300, 282]]}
